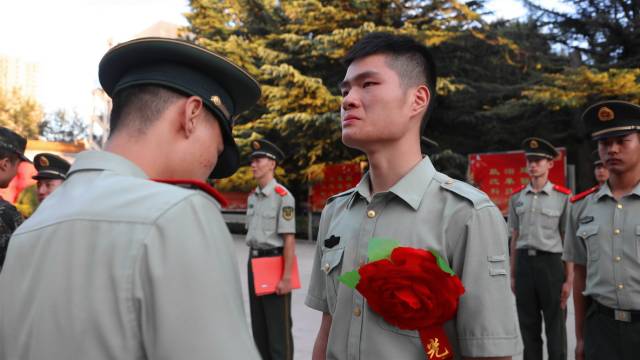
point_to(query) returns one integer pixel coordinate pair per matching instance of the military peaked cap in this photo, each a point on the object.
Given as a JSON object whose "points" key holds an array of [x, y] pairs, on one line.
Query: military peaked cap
{"points": [[611, 118], [539, 147], [13, 142], [262, 147], [50, 166]]}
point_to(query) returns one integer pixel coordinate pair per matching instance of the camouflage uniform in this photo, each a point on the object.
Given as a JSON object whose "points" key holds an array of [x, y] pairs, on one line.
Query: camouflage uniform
{"points": [[10, 219]]}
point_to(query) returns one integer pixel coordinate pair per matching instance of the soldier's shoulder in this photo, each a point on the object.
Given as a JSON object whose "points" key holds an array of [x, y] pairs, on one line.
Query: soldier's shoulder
{"points": [[474, 196], [561, 189], [201, 186], [282, 191], [583, 195]]}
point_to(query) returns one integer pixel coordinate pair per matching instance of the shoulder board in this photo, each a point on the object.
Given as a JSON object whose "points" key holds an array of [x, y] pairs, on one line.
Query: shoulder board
{"points": [[281, 191], [196, 184], [519, 188], [475, 196], [584, 194], [338, 195], [561, 189]]}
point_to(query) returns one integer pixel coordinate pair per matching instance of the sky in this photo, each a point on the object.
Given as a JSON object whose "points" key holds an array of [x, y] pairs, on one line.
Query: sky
{"points": [[67, 38]]}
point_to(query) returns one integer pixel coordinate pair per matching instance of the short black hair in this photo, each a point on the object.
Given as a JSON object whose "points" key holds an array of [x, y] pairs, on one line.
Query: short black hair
{"points": [[9, 154], [141, 105], [411, 60]]}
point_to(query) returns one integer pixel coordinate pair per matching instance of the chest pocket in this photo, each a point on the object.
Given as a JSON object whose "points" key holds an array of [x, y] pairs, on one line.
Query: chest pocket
{"points": [[331, 265], [550, 218], [588, 234], [269, 218], [250, 213]]}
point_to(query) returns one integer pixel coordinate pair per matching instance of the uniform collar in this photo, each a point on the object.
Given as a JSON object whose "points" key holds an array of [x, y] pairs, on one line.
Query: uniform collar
{"points": [[547, 188], [104, 160], [605, 190], [268, 189], [410, 188]]}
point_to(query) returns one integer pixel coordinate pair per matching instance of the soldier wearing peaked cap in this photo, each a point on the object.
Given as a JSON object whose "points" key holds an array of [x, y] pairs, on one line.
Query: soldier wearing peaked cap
{"points": [[603, 239], [540, 279], [271, 228], [12, 148], [600, 172], [52, 171], [157, 258]]}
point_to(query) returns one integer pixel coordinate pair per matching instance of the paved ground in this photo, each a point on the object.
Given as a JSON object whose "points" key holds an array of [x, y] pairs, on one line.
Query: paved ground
{"points": [[307, 321]]}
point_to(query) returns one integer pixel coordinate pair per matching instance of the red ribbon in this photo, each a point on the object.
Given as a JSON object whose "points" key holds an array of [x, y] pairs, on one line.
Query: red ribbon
{"points": [[435, 343]]}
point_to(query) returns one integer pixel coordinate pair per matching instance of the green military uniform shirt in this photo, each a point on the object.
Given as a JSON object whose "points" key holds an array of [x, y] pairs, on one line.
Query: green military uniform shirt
{"points": [[604, 236], [427, 210], [539, 218], [270, 212], [115, 266]]}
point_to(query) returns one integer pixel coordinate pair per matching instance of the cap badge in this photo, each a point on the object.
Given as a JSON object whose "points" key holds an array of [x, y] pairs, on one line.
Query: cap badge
{"points": [[606, 114], [215, 99], [255, 145], [533, 144], [43, 161]]}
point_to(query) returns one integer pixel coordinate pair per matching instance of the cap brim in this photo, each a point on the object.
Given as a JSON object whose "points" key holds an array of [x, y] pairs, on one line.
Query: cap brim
{"points": [[229, 160], [611, 134]]}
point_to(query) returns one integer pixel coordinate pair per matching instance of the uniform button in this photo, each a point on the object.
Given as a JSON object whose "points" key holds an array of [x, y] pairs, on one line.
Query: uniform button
{"points": [[620, 286], [371, 214], [616, 231], [535, 196], [619, 206], [617, 258], [326, 267], [357, 311], [449, 182]]}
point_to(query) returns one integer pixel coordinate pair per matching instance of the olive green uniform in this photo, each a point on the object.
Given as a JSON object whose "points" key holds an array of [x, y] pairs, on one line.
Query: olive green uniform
{"points": [[424, 209], [540, 218], [604, 236], [116, 266], [270, 213]]}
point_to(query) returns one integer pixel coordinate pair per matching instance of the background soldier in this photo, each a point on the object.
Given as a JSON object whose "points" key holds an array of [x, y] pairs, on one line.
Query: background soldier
{"points": [[600, 172], [271, 225], [116, 266], [12, 148], [387, 95], [603, 240], [540, 280], [52, 171]]}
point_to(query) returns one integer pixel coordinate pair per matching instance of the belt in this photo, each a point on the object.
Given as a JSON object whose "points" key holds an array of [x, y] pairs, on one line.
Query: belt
{"points": [[630, 316], [266, 252], [536, 252]]}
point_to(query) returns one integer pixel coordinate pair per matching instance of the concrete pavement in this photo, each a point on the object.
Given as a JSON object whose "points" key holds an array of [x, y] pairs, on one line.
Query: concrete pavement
{"points": [[307, 321]]}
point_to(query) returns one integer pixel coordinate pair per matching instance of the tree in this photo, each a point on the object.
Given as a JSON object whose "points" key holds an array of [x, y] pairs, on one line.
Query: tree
{"points": [[63, 126], [19, 113]]}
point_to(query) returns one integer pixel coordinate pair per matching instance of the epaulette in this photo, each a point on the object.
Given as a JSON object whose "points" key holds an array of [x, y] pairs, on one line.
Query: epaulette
{"points": [[562, 189], [281, 191], [584, 194], [196, 184], [344, 193], [477, 197]]}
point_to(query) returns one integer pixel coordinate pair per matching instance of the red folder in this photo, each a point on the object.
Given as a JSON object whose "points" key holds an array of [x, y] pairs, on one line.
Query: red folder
{"points": [[267, 273]]}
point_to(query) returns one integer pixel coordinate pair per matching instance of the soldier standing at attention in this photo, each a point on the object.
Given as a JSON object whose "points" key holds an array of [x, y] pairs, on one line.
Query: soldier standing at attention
{"points": [[52, 171], [600, 172], [540, 279], [12, 148], [603, 240], [271, 225], [387, 94], [114, 265]]}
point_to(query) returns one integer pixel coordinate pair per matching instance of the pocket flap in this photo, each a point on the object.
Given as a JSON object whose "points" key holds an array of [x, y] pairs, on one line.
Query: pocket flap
{"points": [[637, 229], [496, 258], [331, 258], [585, 231], [550, 212], [250, 212]]}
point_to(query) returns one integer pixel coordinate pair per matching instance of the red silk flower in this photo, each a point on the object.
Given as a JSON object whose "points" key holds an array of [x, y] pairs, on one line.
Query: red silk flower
{"points": [[412, 289]]}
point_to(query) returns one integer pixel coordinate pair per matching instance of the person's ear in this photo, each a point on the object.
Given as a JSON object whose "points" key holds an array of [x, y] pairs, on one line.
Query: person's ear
{"points": [[421, 98], [550, 164], [4, 164], [192, 111]]}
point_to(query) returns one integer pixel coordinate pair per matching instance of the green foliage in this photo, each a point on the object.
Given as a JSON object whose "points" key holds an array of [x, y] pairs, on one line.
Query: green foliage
{"points": [[19, 113]]}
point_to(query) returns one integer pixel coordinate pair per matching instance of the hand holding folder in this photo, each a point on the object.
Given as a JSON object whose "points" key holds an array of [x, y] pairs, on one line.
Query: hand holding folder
{"points": [[267, 273]]}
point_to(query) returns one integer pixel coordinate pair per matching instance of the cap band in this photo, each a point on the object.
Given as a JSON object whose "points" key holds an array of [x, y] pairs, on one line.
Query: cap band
{"points": [[614, 129]]}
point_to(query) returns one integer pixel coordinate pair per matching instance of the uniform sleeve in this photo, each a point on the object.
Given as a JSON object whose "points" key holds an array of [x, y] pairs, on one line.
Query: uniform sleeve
{"points": [[574, 249], [564, 217], [487, 321], [287, 215], [316, 294], [186, 287], [512, 220]]}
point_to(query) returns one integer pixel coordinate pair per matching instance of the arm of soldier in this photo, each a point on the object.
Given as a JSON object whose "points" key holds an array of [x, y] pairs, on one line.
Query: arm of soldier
{"points": [[287, 229], [289, 254], [480, 260], [568, 265], [320, 345], [512, 225], [186, 287], [580, 307]]}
